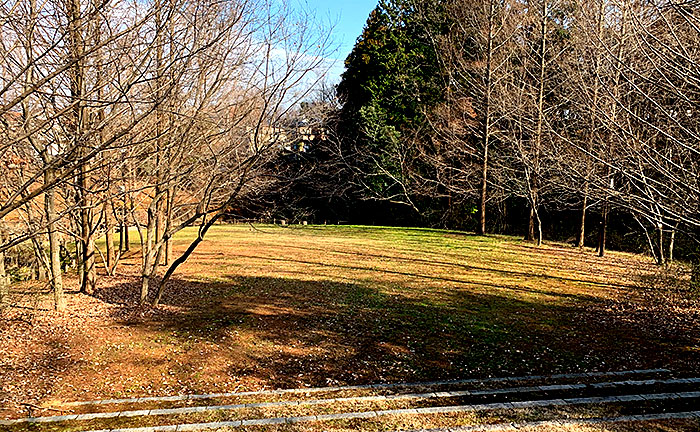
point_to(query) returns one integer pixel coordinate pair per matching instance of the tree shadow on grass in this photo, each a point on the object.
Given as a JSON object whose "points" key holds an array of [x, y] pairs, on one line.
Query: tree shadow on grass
{"points": [[296, 332]]}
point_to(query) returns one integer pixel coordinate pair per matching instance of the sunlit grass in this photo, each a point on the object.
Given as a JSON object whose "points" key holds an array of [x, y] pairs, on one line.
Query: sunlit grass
{"points": [[324, 305]]}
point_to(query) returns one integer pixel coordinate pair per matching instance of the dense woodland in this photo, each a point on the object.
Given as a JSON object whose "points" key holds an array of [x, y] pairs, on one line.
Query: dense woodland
{"points": [[553, 119], [567, 120]]}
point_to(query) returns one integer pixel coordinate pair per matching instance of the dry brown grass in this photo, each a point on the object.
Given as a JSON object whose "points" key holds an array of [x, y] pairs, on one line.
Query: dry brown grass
{"points": [[315, 306]]}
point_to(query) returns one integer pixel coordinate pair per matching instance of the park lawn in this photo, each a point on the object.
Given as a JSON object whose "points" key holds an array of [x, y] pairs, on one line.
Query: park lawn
{"points": [[279, 307]]}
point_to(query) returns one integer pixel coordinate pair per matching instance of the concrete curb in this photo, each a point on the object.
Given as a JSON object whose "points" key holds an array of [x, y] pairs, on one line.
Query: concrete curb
{"points": [[387, 398], [413, 411], [366, 387]]}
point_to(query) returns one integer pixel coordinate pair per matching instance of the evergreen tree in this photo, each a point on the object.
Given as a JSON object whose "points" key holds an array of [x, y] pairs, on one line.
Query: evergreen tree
{"points": [[392, 77]]}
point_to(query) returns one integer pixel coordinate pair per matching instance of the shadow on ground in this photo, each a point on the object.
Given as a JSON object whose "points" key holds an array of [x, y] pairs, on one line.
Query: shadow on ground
{"points": [[291, 332]]}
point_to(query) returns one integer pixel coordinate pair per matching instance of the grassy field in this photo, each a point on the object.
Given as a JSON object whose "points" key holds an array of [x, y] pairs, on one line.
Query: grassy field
{"points": [[322, 305]]}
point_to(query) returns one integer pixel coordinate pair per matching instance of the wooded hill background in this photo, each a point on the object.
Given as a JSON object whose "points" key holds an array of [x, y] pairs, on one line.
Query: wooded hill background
{"points": [[569, 120]]}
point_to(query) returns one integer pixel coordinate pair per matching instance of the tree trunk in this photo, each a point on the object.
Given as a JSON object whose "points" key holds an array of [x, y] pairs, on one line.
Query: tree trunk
{"points": [[661, 257], [695, 263], [671, 244], [582, 229], [168, 225], [98, 119], [77, 91], [127, 245], [539, 228], [603, 230], [4, 282], [151, 251], [484, 177], [147, 265], [534, 175], [88, 247], [200, 236], [168, 252], [159, 221], [592, 125], [109, 237], [56, 277], [145, 286], [531, 225], [487, 121], [79, 262], [69, 261], [121, 237], [41, 273]]}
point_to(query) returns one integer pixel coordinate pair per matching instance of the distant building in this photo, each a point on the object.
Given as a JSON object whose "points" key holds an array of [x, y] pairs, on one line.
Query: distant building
{"points": [[294, 139]]}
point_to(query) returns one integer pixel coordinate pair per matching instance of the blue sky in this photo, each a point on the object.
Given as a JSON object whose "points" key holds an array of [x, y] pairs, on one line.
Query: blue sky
{"points": [[349, 17]]}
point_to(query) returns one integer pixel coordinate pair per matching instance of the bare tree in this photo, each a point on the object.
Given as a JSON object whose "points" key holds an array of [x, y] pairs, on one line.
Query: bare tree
{"points": [[247, 63], [475, 56]]}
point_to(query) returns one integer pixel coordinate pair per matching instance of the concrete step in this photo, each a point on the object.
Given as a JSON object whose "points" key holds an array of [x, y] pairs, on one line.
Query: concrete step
{"points": [[344, 392], [101, 409], [529, 393], [694, 397], [693, 415], [627, 393]]}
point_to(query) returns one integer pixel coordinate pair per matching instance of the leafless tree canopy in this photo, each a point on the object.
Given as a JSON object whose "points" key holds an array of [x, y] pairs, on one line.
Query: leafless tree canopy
{"points": [[163, 114], [154, 115], [572, 103]]}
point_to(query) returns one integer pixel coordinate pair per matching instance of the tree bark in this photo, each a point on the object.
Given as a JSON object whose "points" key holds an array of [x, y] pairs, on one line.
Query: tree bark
{"points": [[98, 124], [77, 91], [147, 255], [603, 230], [487, 120], [531, 224], [56, 277], [661, 257], [534, 176], [168, 225], [539, 228], [671, 245], [88, 241], [4, 282], [109, 236], [592, 122], [79, 261], [695, 262], [127, 244], [582, 229]]}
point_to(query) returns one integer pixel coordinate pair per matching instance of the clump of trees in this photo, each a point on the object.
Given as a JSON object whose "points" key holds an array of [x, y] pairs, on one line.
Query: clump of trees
{"points": [[492, 115], [155, 115], [586, 106]]}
